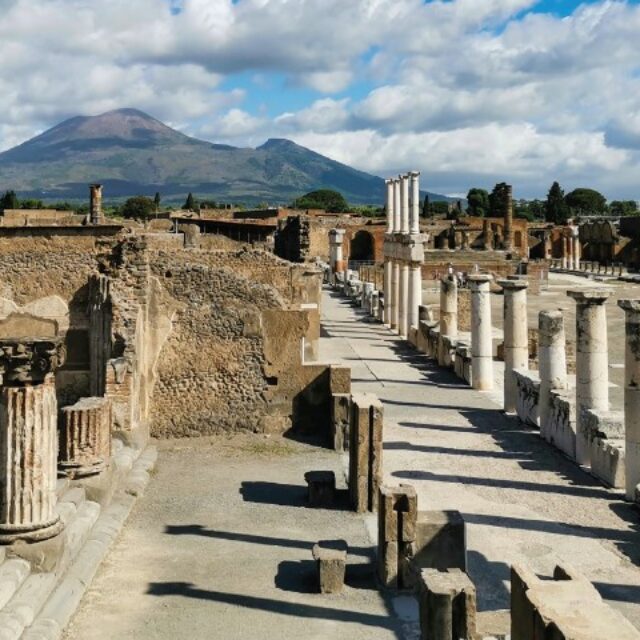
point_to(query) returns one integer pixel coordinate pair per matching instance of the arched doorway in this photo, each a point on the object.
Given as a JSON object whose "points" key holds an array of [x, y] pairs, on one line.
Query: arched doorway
{"points": [[361, 247]]}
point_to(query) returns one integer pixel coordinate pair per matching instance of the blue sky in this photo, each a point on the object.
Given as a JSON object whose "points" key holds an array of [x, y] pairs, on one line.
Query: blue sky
{"points": [[470, 92]]}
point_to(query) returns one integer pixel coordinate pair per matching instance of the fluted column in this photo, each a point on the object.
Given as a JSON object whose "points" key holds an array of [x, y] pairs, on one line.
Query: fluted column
{"points": [[415, 294], [632, 396], [481, 332], [397, 206], [390, 205], [28, 439], [414, 226], [404, 300], [404, 195], [516, 338], [592, 362]]}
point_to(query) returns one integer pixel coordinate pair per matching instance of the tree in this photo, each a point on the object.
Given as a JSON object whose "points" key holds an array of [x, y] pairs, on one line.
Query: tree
{"points": [[156, 201], [555, 207], [426, 212], [478, 202], [190, 203], [138, 207], [327, 199], [586, 201], [624, 208], [31, 203], [9, 200]]}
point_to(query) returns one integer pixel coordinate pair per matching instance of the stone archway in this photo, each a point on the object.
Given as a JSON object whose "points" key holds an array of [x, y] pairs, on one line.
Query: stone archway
{"points": [[361, 248]]}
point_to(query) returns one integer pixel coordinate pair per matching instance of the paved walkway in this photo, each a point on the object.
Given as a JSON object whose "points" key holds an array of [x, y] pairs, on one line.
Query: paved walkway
{"points": [[522, 500]]}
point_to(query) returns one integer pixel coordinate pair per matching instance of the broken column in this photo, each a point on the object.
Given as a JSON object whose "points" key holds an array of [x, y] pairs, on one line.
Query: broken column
{"points": [[397, 518], [516, 338], [28, 439], [552, 362], [85, 437], [95, 204], [414, 226], [448, 313], [592, 365], [481, 332], [632, 396], [365, 452], [507, 196]]}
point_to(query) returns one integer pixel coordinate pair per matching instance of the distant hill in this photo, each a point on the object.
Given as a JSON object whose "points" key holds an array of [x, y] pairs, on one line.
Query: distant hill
{"points": [[132, 153]]}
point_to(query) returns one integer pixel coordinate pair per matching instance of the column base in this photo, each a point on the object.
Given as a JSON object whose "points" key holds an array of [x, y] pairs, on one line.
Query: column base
{"points": [[10, 534]]}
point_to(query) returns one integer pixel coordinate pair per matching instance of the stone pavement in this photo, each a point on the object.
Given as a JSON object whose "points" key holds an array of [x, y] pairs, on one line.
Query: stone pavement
{"points": [[522, 500]]}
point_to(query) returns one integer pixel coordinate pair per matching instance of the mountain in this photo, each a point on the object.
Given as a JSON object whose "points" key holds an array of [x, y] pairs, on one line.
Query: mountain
{"points": [[132, 153]]}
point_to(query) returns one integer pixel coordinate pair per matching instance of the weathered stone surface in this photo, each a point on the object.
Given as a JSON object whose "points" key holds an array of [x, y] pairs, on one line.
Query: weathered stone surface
{"points": [[331, 556], [440, 541], [29, 360], [340, 421], [321, 488]]}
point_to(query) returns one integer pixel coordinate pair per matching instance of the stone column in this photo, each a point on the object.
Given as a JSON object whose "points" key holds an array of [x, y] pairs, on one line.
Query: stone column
{"points": [[516, 337], [28, 439], [390, 205], [552, 362], [414, 226], [565, 252], [592, 365], [415, 294], [481, 332], [336, 238], [448, 313], [404, 186], [576, 249], [397, 206], [486, 236], [388, 295], [395, 286], [632, 396], [404, 300], [95, 204], [508, 217]]}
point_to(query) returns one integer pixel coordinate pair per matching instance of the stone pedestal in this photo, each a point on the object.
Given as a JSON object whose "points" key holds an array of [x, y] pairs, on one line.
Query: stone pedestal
{"points": [[481, 332], [28, 439], [85, 437], [448, 313], [552, 362], [516, 338], [403, 328], [632, 396], [592, 363]]}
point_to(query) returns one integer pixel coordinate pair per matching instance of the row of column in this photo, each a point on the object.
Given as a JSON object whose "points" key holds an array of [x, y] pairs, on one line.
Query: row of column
{"points": [[571, 250], [403, 203], [403, 282]]}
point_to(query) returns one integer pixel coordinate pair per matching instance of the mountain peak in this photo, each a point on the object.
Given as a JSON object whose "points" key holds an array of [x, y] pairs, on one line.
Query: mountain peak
{"points": [[277, 144]]}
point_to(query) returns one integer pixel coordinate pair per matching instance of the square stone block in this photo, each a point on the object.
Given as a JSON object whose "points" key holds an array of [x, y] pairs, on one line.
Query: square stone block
{"points": [[321, 488], [331, 556], [440, 541]]}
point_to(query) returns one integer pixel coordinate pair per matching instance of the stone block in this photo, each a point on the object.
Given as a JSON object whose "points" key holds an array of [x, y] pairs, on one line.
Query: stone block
{"points": [[339, 379], [447, 602], [527, 396], [440, 541], [340, 421], [321, 488], [331, 557]]}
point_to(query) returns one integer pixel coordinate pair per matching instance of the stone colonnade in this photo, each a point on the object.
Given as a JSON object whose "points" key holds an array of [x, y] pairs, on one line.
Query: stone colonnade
{"points": [[403, 254]]}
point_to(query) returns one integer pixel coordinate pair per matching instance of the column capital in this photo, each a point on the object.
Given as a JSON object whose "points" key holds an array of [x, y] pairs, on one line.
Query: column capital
{"points": [[480, 278], [630, 306], [589, 296], [30, 359], [389, 180], [414, 174], [513, 285], [336, 235]]}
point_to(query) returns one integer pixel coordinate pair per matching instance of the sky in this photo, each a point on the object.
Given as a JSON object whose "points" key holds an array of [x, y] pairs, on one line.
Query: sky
{"points": [[469, 92]]}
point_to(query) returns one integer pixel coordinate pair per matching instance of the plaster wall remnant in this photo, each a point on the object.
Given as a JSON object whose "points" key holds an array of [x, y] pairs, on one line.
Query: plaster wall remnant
{"points": [[516, 338], [481, 332], [632, 397], [552, 363], [28, 439], [592, 363]]}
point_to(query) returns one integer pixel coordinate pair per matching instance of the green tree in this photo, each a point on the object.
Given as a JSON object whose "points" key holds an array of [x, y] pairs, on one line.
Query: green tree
{"points": [[586, 201], [9, 200], [31, 203], [138, 207], [624, 208], [555, 206], [190, 203], [478, 202], [156, 201], [327, 199], [426, 211]]}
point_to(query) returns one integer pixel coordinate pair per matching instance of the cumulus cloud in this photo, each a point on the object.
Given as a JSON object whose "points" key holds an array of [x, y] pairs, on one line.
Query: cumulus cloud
{"points": [[469, 92]]}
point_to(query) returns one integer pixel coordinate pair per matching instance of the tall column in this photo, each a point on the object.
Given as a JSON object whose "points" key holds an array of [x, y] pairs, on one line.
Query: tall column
{"points": [[415, 294], [336, 238], [552, 362], [404, 195], [395, 309], [592, 365], [388, 295], [508, 217], [28, 439], [390, 205], [448, 312], [576, 249], [632, 396], [95, 204], [404, 300], [414, 226], [516, 337], [481, 332], [397, 206], [565, 252]]}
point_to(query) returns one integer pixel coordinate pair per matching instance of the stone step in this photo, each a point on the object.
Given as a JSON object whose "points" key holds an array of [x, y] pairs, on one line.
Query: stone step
{"points": [[13, 573]]}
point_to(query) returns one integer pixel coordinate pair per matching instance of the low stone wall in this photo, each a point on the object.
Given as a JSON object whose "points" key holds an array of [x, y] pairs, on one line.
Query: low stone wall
{"points": [[606, 446], [528, 385], [462, 363], [562, 423]]}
